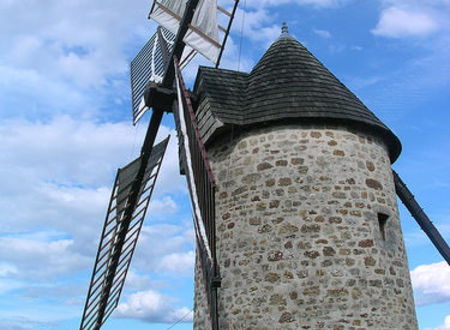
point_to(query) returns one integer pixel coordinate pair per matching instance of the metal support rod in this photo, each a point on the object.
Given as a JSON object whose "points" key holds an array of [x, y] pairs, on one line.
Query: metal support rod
{"points": [[225, 38], [422, 219]]}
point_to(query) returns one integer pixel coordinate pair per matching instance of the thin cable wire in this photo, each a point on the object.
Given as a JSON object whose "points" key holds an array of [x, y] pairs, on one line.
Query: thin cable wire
{"points": [[242, 35], [133, 149], [180, 320]]}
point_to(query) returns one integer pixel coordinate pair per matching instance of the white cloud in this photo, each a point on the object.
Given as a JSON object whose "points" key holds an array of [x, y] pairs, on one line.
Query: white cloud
{"points": [[9, 285], [314, 3], [41, 258], [68, 56], [322, 33], [258, 24], [83, 46], [70, 165], [7, 269], [179, 262], [398, 22], [431, 283], [165, 205], [445, 326], [152, 306], [136, 281], [58, 174], [161, 245]]}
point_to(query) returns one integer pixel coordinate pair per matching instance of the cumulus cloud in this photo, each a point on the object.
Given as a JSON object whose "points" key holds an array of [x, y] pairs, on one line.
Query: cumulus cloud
{"points": [[431, 283], [151, 306], [68, 56], [445, 326], [174, 244], [165, 205], [398, 22], [322, 33], [56, 180], [43, 256], [257, 24], [179, 262], [314, 3], [70, 164], [137, 281]]}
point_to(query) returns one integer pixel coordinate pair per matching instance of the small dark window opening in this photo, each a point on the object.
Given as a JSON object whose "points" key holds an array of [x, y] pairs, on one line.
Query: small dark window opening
{"points": [[382, 219]]}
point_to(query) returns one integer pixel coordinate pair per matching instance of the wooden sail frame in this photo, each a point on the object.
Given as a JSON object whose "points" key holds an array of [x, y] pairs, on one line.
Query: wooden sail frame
{"points": [[150, 63], [119, 238]]}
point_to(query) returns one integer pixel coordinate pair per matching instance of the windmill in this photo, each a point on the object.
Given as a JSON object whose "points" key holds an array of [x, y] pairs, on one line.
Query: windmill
{"points": [[186, 28]]}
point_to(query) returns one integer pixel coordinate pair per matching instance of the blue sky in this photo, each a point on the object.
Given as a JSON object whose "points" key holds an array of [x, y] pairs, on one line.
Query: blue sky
{"points": [[65, 128]]}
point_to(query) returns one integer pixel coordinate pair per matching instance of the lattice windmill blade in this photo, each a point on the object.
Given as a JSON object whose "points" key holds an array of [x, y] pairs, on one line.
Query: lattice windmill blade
{"points": [[149, 66], [422, 219], [119, 238], [201, 185]]}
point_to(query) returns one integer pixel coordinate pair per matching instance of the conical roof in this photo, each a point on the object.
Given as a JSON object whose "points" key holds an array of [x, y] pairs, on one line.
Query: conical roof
{"points": [[288, 83]]}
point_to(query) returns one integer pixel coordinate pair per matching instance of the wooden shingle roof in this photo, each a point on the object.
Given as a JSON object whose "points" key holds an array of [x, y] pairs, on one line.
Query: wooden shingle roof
{"points": [[288, 84]]}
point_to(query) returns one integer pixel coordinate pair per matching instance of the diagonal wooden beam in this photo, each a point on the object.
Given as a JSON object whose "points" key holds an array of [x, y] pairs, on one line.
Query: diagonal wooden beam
{"points": [[422, 219]]}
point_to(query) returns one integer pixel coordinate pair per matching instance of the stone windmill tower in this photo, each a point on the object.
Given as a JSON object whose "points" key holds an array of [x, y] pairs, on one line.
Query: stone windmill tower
{"points": [[307, 227]]}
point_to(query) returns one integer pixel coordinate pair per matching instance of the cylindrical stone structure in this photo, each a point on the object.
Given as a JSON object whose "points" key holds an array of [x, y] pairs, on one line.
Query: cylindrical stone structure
{"points": [[307, 225], [300, 238]]}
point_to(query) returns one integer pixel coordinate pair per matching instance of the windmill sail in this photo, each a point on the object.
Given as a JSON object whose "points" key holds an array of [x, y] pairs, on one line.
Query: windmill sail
{"points": [[119, 238], [422, 219], [149, 66], [202, 190], [204, 33]]}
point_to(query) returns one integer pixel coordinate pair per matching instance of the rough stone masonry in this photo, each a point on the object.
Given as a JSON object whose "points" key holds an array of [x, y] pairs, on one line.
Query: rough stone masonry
{"points": [[299, 241]]}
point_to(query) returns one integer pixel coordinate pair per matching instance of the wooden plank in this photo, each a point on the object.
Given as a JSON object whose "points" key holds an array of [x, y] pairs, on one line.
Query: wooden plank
{"points": [[204, 35], [167, 10], [223, 10]]}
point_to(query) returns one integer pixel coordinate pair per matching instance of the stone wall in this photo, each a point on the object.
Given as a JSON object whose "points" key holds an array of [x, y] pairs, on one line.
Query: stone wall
{"points": [[298, 233]]}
